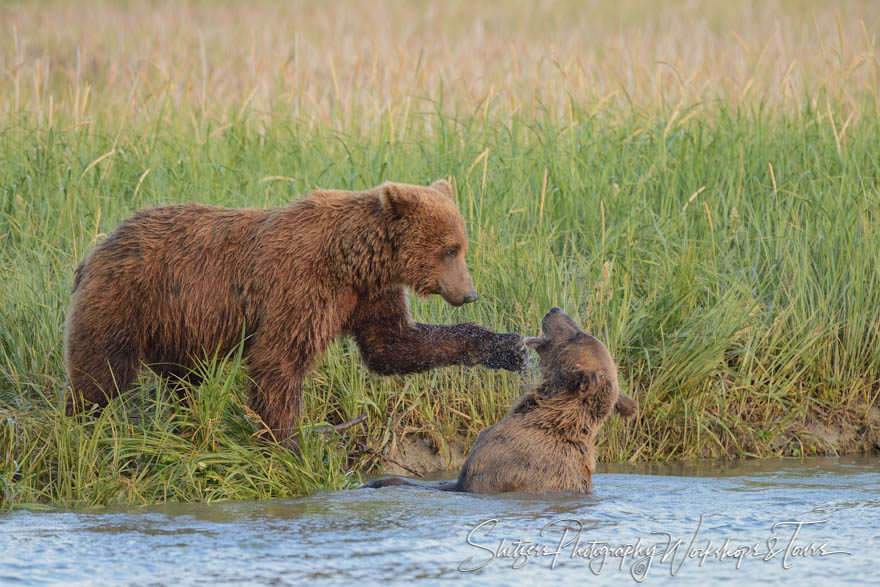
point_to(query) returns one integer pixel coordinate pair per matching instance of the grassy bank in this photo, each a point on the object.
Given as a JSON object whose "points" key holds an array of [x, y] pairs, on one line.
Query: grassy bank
{"points": [[714, 221]]}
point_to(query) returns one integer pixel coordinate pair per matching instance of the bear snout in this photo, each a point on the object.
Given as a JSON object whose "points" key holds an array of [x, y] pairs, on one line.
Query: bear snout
{"points": [[457, 299], [457, 288], [556, 324]]}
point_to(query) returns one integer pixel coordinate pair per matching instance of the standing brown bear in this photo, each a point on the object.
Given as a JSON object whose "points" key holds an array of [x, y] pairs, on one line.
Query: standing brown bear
{"points": [[173, 284], [546, 443]]}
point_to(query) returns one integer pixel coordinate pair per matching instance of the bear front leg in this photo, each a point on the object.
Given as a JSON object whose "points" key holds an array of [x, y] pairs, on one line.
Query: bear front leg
{"points": [[390, 342], [421, 347], [276, 399], [276, 394]]}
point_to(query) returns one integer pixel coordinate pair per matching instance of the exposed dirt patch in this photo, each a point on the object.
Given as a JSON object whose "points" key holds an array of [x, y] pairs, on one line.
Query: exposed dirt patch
{"points": [[421, 454], [845, 437]]}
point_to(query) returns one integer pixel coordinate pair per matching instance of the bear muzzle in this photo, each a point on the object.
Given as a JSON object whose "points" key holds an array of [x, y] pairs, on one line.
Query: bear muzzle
{"points": [[456, 300], [457, 289]]}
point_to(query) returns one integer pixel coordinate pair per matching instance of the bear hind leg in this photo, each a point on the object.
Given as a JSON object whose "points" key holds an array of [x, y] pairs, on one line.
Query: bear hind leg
{"points": [[97, 379]]}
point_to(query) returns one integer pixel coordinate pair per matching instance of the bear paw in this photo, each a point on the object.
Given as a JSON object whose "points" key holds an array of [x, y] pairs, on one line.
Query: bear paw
{"points": [[506, 352]]}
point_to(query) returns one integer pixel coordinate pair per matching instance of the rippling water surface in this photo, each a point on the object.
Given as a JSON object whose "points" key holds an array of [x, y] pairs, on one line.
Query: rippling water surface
{"points": [[722, 513]]}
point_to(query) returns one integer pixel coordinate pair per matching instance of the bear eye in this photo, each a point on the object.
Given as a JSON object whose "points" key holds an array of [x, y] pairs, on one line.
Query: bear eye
{"points": [[451, 252]]}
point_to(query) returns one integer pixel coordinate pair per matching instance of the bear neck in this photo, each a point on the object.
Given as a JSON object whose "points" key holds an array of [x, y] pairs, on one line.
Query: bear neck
{"points": [[357, 239], [366, 252], [561, 412]]}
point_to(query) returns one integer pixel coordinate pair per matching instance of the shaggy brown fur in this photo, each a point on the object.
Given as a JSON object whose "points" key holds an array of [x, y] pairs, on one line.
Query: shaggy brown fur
{"points": [[546, 442], [174, 283]]}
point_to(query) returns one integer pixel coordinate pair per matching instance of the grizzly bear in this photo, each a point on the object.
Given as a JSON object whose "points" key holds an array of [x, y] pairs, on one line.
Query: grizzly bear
{"points": [[174, 284], [546, 442]]}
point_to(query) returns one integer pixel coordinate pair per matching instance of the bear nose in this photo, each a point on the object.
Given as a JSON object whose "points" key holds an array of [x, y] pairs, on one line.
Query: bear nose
{"points": [[554, 310], [471, 297]]}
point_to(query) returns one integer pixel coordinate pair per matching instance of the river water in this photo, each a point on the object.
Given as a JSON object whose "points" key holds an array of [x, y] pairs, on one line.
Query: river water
{"points": [[684, 523]]}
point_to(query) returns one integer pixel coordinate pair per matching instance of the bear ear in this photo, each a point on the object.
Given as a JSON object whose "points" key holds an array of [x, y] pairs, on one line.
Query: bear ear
{"points": [[442, 186], [396, 198], [626, 406]]}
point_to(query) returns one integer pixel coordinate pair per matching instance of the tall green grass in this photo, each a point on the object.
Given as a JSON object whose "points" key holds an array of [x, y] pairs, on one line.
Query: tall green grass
{"points": [[729, 263], [165, 441], [697, 183]]}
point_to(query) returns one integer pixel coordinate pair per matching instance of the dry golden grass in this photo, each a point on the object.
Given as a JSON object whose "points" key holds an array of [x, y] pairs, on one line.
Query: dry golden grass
{"points": [[344, 61]]}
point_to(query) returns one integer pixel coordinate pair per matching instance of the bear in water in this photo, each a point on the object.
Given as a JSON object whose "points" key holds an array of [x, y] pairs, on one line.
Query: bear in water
{"points": [[546, 442]]}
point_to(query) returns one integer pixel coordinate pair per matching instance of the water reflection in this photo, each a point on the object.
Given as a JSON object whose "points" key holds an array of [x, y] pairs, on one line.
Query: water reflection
{"points": [[402, 534]]}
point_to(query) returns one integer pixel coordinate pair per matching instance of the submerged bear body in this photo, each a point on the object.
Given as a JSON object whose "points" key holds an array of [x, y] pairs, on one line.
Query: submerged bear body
{"points": [[546, 443]]}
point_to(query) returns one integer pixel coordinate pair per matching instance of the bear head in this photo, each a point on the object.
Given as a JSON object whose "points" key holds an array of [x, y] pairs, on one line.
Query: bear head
{"points": [[430, 240], [574, 360]]}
